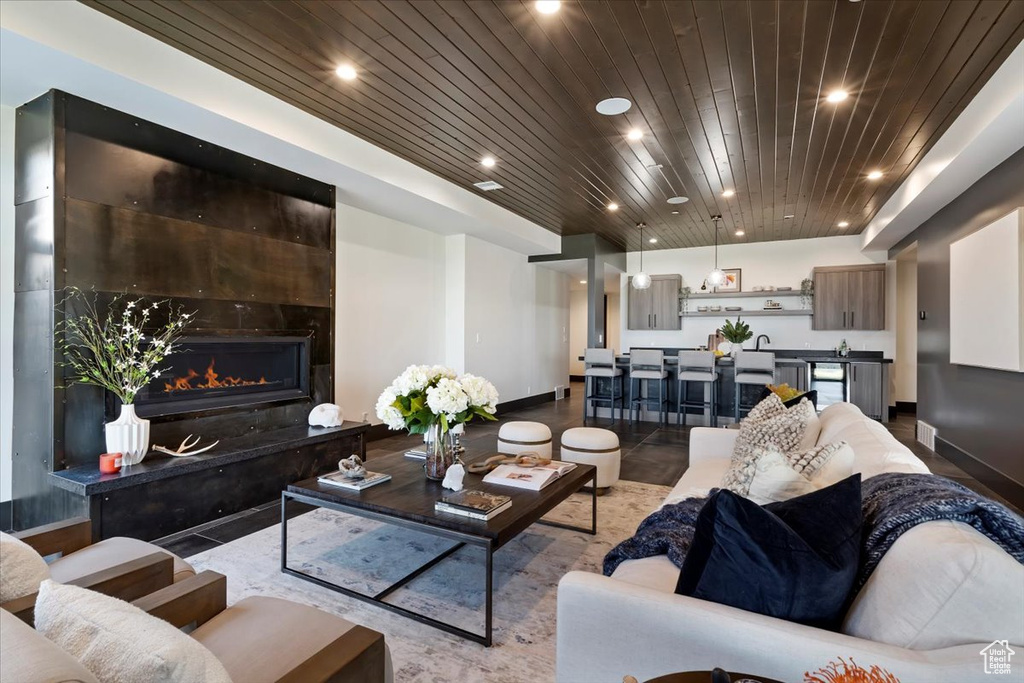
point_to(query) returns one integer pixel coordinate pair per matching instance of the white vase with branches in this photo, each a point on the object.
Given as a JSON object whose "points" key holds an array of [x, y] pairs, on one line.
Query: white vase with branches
{"points": [[121, 351]]}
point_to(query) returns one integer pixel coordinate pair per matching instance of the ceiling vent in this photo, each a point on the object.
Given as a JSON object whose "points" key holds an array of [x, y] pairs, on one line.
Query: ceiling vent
{"points": [[487, 186]]}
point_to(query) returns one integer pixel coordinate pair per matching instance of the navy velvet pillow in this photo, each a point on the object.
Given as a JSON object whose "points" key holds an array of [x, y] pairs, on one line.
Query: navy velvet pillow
{"points": [[795, 560]]}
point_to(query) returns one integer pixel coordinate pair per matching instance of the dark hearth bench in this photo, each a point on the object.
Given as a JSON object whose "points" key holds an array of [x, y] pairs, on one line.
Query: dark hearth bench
{"points": [[164, 494]]}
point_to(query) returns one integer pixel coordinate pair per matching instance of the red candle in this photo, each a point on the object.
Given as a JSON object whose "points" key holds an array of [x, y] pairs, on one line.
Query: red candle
{"points": [[110, 463]]}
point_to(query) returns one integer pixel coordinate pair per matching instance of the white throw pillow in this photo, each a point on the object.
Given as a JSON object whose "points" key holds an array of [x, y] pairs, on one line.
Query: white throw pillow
{"points": [[780, 476], [775, 479], [22, 569], [118, 642], [812, 431]]}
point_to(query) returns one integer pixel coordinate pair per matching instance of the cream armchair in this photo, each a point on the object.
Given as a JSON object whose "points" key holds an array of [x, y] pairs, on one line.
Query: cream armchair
{"points": [[125, 568]]}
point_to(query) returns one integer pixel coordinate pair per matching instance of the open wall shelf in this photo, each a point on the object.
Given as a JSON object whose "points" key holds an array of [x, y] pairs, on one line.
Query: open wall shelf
{"points": [[745, 314], [744, 295]]}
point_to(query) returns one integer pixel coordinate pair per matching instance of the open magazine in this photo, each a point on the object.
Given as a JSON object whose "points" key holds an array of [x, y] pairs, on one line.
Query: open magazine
{"points": [[532, 478]]}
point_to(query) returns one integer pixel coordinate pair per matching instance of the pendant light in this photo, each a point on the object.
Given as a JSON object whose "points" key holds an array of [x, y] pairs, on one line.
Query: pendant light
{"points": [[641, 280], [716, 278]]}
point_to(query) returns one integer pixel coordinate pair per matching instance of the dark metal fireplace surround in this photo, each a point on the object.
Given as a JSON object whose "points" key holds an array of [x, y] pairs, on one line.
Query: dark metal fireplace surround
{"points": [[111, 203], [207, 373]]}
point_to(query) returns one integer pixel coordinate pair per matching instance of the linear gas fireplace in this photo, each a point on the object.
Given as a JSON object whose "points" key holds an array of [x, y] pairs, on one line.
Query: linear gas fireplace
{"points": [[219, 372]]}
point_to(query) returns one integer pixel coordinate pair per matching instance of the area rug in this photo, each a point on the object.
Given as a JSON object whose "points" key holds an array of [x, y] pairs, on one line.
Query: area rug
{"points": [[367, 556]]}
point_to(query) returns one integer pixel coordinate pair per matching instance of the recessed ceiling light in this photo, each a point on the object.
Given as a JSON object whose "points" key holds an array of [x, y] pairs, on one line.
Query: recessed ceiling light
{"points": [[346, 72], [635, 134], [740, 233], [843, 224], [655, 167], [583, 282], [787, 217], [613, 106], [677, 200], [653, 240], [613, 207], [487, 186], [675, 213], [837, 96], [547, 6], [728, 193], [487, 161], [874, 175]]}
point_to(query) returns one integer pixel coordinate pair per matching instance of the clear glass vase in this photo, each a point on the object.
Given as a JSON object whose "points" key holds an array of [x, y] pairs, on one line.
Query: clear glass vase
{"points": [[441, 452]]}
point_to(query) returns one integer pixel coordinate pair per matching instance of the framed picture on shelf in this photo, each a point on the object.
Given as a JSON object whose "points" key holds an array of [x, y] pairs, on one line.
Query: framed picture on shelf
{"points": [[733, 281]]}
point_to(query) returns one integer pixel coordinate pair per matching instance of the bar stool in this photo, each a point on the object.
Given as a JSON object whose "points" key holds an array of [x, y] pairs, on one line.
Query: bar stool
{"points": [[752, 367], [648, 364], [697, 366], [601, 363]]}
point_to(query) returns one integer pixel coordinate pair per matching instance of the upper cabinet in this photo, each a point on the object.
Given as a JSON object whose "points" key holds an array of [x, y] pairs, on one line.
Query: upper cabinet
{"points": [[657, 307], [849, 297]]}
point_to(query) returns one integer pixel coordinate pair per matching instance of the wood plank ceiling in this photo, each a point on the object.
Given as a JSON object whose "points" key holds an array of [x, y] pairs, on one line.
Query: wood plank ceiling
{"points": [[729, 95]]}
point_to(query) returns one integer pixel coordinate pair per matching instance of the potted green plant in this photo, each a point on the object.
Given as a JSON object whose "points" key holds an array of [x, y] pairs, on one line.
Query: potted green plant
{"points": [[806, 292], [684, 298], [736, 333]]}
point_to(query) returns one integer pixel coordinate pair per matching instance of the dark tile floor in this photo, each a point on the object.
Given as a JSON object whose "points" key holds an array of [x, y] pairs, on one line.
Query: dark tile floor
{"points": [[650, 454]]}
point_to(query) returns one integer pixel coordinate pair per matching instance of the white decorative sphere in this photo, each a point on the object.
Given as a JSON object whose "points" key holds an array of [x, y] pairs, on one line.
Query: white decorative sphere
{"points": [[641, 280]]}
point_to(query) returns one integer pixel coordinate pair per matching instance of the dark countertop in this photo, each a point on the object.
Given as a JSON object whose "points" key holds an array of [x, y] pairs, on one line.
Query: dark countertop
{"points": [[87, 479], [783, 356]]}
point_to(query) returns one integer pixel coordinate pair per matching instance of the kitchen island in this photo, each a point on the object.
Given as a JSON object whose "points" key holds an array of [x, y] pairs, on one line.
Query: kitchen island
{"points": [[865, 381]]}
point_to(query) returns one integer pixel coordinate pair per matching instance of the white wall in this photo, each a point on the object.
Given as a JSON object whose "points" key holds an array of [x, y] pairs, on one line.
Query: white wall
{"points": [[781, 264], [390, 305], [6, 294], [905, 363], [517, 321], [577, 328]]}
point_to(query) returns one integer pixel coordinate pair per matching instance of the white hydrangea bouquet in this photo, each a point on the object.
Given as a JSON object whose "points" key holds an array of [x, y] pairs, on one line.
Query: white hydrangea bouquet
{"points": [[434, 399]]}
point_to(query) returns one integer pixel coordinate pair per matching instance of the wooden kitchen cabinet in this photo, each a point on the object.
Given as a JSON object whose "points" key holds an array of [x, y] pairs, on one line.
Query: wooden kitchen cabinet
{"points": [[793, 374], [657, 307], [867, 389], [849, 297]]}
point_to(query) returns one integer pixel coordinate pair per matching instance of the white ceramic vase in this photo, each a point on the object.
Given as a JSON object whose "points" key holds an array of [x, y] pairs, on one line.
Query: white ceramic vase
{"points": [[128, 435], [737, 347]]}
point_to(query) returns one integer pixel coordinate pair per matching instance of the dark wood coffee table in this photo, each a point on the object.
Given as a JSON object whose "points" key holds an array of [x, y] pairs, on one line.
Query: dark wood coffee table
{"points": [[408, 501]]}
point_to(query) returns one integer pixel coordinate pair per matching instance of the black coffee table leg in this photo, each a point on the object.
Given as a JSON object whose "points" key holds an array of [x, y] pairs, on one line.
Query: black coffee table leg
{"points": [[593, 514]]}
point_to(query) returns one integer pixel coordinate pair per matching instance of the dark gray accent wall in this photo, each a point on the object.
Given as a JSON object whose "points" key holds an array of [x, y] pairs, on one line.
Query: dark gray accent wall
{"points": [[598, 252], [979, 413]]}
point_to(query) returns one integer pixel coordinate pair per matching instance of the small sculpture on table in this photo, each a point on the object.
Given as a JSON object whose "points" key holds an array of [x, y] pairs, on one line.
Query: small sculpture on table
{"points": [[352, 467], [454, 476]]}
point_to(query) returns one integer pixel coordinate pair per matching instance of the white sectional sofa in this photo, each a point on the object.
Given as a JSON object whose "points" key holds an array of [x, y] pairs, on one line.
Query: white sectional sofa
{"points": [[940, 595]]}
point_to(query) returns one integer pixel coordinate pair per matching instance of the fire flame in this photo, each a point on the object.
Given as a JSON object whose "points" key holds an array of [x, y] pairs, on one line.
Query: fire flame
{"points": [[213, 381]]}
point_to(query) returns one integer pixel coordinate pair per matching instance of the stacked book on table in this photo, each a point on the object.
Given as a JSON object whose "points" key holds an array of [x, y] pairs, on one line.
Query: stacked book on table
{"points": [[341, 481], [473, 504], [533, 478]]}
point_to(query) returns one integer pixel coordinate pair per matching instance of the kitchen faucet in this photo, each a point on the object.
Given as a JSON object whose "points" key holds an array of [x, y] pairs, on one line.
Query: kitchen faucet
{"points": [[757, 343]]}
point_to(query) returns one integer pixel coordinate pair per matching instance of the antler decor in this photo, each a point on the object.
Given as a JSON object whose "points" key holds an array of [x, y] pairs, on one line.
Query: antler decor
{"points": [[182, 450]]}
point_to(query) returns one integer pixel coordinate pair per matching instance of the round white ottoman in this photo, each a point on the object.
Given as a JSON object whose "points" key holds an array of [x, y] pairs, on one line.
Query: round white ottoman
{"points": [[522, 437], [597, 447]]}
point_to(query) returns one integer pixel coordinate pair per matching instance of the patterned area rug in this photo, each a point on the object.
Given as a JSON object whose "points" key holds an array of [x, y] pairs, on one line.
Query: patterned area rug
{"points": [[367, 556]]}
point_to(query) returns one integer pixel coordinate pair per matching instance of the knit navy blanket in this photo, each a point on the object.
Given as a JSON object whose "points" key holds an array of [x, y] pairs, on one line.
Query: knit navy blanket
{"points": [[894, 503]]}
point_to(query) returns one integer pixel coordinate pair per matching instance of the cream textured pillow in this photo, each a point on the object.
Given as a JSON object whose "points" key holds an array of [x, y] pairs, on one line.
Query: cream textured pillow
{"points": [[118, 642], [780, 476], [769, 423], [22, 569]]}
